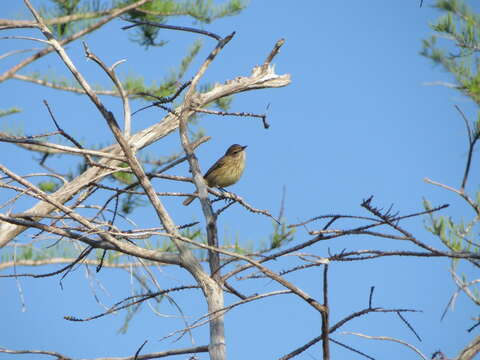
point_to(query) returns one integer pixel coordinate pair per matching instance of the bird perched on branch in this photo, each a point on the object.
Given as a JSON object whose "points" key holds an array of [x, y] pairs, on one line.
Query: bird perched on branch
{"points": [[226, 171]]}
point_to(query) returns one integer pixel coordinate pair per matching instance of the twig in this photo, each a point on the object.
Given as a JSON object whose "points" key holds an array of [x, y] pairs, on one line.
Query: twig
{"points": [[470, 329], [461, 193], [325, 316], [40, 352], [19, 262], [23, 38], [273, 53], [387, 338], [301, 348], [230, 195], [14, 52], [171, 27], [58, 86], [64, 134], [473, 137], [140, 349], [266, 125], [392, 221], [366, 311], [370, 297], [110, 71], [35, 145], [67, 268], [472, 349], [162, 100], [191, 350], [219, 312], [464, 286], [130, 301], [465, 120], [234, 291], [351, 349], [225, 207], [409, 326]]}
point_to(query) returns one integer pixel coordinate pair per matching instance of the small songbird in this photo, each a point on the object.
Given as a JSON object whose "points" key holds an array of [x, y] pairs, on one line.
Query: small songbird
{"points": [[226, 171]]}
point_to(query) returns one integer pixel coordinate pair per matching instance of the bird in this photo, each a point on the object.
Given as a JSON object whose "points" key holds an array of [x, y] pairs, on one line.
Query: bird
{"points": [[226, 171]]}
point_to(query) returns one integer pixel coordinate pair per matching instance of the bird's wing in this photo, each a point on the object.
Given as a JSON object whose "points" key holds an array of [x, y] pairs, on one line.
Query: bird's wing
{"points": [[218, 164]]}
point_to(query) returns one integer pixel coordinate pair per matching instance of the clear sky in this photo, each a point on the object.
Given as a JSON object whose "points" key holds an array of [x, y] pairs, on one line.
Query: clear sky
{"points": [[357, 120]]}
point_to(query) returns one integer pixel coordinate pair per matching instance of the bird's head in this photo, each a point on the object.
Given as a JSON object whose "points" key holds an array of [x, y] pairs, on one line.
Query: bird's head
{"points": [[235, 150]]}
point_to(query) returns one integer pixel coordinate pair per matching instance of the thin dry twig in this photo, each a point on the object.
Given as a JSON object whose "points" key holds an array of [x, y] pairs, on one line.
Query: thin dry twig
{"points": [[205, 319], [461, 193], [162, 100], [351, 349], [325, 316], [171, 27], [266, 125], [156, 355], [473, 137], [131, 301], [28, 143], [110, 71], [409, 326], [14, 52], [39, 352], [387, 338]]}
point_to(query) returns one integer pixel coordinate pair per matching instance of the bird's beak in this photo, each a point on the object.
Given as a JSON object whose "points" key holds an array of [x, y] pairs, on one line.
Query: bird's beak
{"points": [[244, 147]]}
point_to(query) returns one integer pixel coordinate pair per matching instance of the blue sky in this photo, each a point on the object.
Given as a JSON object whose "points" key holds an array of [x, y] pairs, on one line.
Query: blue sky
{"points": [[357, 120]]}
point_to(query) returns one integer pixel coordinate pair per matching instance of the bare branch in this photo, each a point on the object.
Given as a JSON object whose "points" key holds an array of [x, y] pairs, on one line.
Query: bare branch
{"points": [[23, 38], [220, 312], [409, 326], [470, 351], [113, 76], [66, 135], [458, 192], [387, 338], [273, 53], [171, 27], [351, 349], [243, 114], [53, 85], [51, 353], [14, 52], [325, 316], [52, 148], [51, 261], [191, 350], [130, 301]]}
